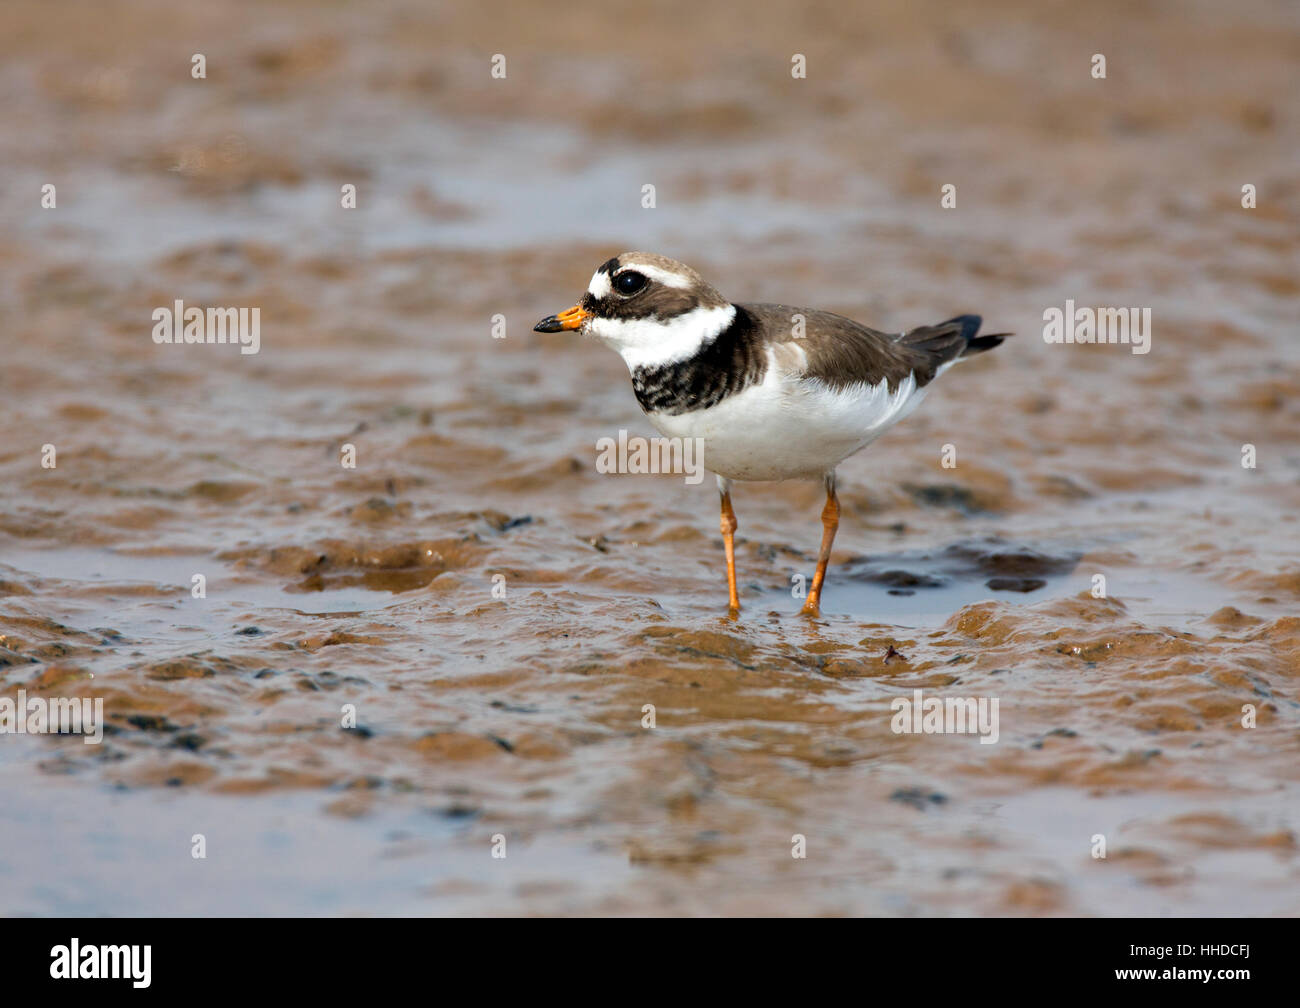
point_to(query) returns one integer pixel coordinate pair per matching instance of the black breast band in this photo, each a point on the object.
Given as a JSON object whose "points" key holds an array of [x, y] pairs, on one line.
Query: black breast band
{"points": [[734, 360]]}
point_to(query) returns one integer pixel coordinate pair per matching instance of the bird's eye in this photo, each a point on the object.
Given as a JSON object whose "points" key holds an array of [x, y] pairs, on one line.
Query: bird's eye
{"points": [[629, 283]]}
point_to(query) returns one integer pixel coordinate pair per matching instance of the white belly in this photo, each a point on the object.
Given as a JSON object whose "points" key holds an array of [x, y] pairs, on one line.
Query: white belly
{"points": [[790, 428]]}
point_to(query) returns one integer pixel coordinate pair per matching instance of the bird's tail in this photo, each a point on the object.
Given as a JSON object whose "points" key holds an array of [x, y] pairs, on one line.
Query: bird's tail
{"points": [[950, 340], [970, 325]]}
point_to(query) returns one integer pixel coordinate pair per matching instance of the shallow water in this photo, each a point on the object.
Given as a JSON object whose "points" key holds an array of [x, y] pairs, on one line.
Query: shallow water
{"points": [[522, 717]]}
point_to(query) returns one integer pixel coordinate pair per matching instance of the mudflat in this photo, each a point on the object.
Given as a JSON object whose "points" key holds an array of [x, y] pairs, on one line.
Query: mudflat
{"points": [[496, 621]]}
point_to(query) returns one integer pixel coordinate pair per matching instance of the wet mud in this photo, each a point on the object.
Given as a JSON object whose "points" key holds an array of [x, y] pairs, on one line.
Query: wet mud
{"points": [[501, 619]]}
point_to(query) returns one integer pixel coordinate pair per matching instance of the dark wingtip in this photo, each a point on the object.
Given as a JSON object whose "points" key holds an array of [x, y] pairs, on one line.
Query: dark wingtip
{"points": [[981, 343], [549, 324], [970, 325]]}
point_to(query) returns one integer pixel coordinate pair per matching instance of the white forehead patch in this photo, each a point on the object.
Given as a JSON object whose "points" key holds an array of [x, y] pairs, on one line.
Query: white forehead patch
{"points": [[599, 285]]}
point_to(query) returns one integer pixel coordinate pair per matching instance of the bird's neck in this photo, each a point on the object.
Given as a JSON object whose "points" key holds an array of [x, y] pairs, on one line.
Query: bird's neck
{"points": [[721, 363]]}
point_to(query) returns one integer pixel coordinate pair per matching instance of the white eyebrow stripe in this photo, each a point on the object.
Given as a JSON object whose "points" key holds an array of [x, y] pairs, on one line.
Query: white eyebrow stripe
{"points": [[662, 276]]}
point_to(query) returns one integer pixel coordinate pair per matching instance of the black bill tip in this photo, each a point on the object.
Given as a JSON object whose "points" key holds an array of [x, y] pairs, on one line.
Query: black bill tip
{"points": [[549, 324]]}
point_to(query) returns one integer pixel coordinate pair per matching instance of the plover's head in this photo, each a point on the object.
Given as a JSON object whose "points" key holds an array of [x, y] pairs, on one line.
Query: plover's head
{"points": [[651, 309]]}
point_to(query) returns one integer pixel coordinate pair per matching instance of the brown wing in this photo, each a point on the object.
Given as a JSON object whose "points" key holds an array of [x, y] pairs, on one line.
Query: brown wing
{"points": [[842, 352]]}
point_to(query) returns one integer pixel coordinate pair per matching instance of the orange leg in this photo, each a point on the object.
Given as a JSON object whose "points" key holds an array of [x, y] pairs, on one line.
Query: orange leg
{"points": [[729, 527], [830, 522]]}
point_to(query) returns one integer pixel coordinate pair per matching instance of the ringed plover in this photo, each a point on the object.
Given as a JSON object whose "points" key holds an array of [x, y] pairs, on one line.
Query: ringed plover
{"points": [[774, 392]]}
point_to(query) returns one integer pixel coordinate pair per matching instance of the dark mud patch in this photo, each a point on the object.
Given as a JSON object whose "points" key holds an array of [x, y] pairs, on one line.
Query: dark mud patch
{"points": [[924, 587], [949, 496], [999, 566]]}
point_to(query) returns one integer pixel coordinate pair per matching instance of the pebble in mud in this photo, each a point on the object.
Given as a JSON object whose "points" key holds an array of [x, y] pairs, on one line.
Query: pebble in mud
{"points": [[918, 798], [1015, 584], [503, 523]]}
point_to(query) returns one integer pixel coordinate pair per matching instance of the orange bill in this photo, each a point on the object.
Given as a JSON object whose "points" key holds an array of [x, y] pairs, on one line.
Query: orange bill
{"points": [[570, 318]]}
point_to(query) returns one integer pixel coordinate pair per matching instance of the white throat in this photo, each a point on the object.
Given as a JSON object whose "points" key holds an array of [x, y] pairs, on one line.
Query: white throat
{"points": [[654, 343]]}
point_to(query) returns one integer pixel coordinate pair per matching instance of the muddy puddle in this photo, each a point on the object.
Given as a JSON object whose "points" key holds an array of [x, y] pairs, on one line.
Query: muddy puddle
{"points": [[472, 643]]}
